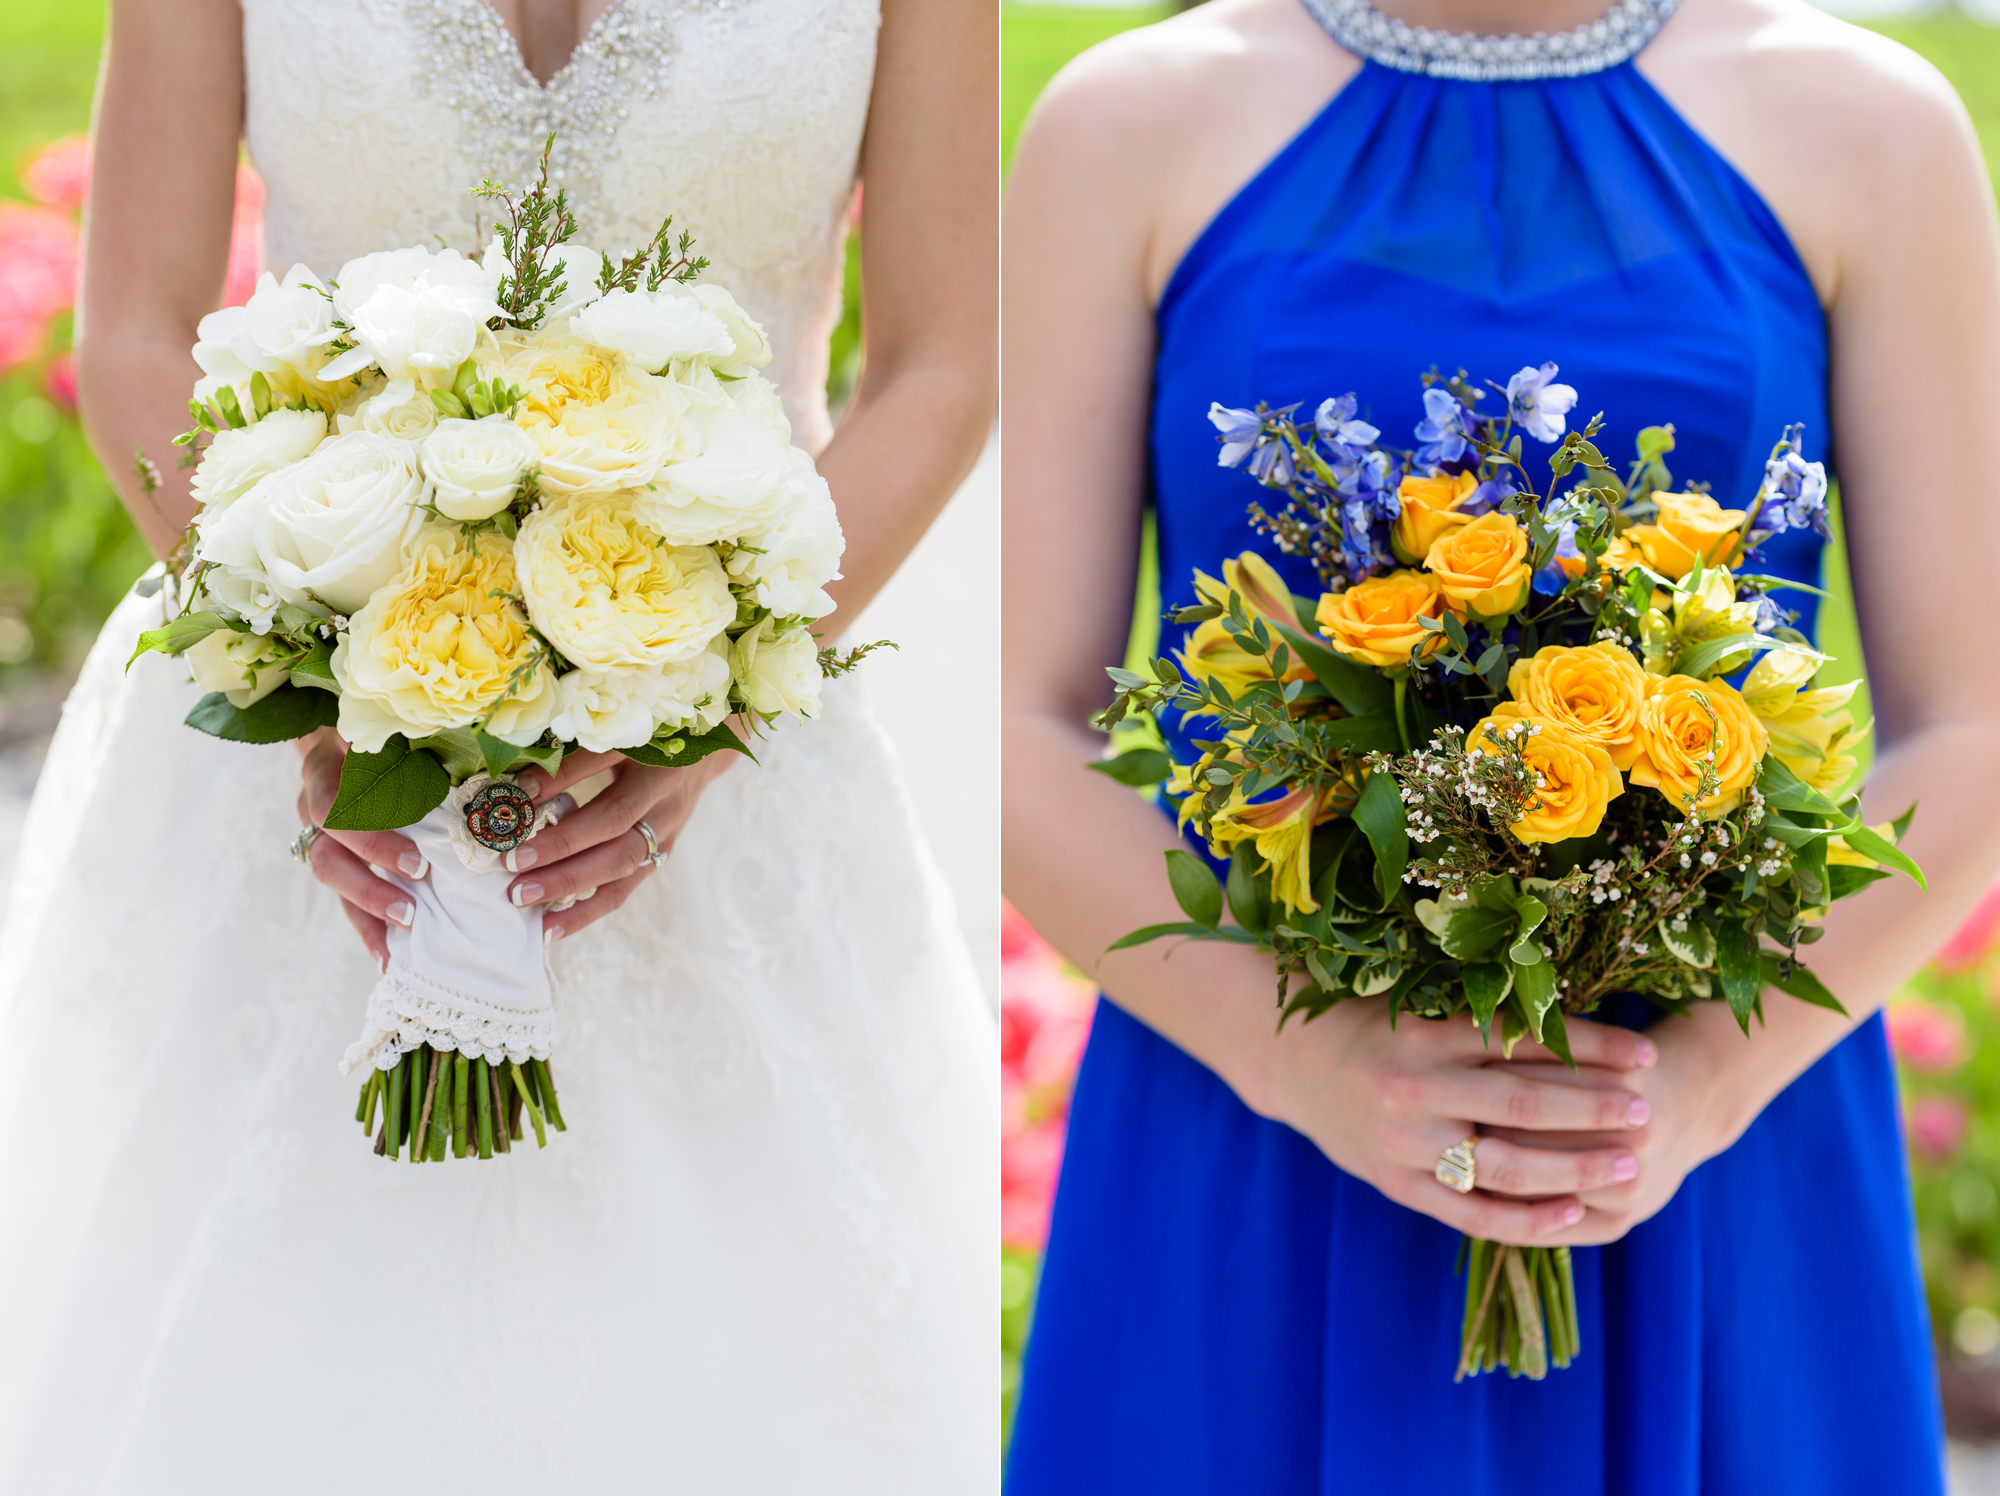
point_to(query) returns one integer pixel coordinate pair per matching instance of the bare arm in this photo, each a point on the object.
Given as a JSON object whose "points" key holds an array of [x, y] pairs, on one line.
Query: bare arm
{"points": [[156, 236]]}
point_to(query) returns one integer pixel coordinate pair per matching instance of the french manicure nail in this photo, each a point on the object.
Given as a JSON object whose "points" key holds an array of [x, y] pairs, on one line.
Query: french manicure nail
{"points": [[380, 872], [1626, 1168], [1640, 1112], [1572, 1214], [551, 934], [402, 912], [413, 865], [527, 893], [522, 858], [382, 962], [1647, 1053]]}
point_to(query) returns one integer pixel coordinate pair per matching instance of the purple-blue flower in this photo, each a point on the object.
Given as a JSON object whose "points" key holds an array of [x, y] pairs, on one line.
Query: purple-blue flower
{"points": [[1444, 428], [1241, 431], [1271, 464], [1794, 493], [1537, 404], [1551, 579], [1336, 424]]}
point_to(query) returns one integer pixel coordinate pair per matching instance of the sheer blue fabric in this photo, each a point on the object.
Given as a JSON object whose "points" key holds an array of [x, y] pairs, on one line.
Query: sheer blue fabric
{"points": [[1221, 1309]]}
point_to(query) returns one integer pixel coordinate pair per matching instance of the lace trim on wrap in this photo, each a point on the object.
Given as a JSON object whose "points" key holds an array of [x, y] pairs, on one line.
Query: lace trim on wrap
{"points": [[1613, 38], [473, 61], [407, 1011]]}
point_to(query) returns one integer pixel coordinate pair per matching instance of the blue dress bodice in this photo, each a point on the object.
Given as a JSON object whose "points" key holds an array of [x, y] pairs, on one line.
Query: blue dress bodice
{"points": [[1221, 1308]]}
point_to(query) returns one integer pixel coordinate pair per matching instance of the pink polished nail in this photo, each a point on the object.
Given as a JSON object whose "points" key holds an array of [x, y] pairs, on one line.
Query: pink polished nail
{"points": [[1647, 1052], [551, 934], [1572, 1214], [1626, 1168], [1640, 1112]]}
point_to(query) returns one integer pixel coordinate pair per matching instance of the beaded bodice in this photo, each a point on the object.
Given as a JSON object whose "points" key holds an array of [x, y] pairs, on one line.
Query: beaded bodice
{"points": [[370, 120], [1612, 38]]}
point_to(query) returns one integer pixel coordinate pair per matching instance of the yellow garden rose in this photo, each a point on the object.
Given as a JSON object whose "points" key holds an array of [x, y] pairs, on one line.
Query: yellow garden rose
{"points": [[1689, 525], [1430, 510], [1575, 780], [1482, 567], [1211, 653], [602, 423], [604, 590], [1595, 693], [1376, 621], [437, 647], [1677, 731]]}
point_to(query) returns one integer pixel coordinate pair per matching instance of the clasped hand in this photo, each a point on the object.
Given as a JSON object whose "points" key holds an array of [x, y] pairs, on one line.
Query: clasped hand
{"points": [[594, 855]]}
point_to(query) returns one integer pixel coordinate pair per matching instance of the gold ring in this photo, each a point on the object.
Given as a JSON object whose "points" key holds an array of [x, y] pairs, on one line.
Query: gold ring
{"points": [[1456, 1167]]}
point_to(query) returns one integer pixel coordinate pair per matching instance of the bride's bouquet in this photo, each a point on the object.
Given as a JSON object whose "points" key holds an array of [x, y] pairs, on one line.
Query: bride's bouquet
{"points": [[1498, 766], [472, 512]]}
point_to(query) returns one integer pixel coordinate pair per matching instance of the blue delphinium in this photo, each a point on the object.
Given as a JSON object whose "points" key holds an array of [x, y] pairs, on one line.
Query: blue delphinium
{"points": [[1242, 432], [1794, 496], [1537, 404], [1337, 426], [1444, 428]]}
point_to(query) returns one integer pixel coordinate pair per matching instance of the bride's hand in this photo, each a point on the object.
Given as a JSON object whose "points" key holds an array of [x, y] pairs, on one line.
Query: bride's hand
{"points": [[1383, 1103], [343, 860], [597, 854]]}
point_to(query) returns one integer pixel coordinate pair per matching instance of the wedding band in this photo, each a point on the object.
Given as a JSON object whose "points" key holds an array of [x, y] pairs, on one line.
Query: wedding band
{"points": [[302, 844], [653, 853], [1456, 1168]]}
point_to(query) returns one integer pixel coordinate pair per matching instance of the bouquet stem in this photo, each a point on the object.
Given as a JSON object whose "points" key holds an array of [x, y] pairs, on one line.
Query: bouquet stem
{"points": [[438, 1101], [1520, 1310]]}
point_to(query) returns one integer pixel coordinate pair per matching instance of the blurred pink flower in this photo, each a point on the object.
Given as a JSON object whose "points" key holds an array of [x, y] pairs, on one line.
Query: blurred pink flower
{"points": [[60, 175], [1936, 1125], [38, 255], [59, 381], [1976, 936], [1926, 1036], [1044, 1020], [246, 239]]}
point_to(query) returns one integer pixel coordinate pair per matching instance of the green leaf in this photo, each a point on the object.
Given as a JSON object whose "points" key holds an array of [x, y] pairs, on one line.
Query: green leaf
{"points": [[1249, 895], [1801, 984], [1782, 788], [1156, 932], [659, 753], [1709, 653], [1195, 888], [1475, 933], [497, 757], [316, 668], [1877, 847], [1738, 965], [1555, 1035], [457, 749], [288, 712], [1534, 991], [1695, 945], [1487, 984], [1792, 833], [1379, 814], [1843, 879], [1374, 733], [183, 633], [1526, 951], [382, 791], [1138, 767], [1359, 688]]}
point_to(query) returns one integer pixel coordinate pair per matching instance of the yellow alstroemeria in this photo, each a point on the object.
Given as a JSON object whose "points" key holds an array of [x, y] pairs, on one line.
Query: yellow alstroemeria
{"points": [[1812, 731], [1211, 654], [1691, 615], [1281, 830]]}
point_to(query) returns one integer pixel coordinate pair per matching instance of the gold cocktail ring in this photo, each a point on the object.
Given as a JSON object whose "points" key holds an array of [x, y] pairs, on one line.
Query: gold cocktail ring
{"points": [[1456, 1167]]}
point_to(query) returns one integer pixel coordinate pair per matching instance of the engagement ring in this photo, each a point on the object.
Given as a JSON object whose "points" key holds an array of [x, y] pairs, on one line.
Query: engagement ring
{"points": [[302, 844], [1456, 1168], [653, 853]]}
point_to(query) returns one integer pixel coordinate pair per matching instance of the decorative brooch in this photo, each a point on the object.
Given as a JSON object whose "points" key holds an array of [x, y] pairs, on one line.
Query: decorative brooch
{"points": [[500, 817]]}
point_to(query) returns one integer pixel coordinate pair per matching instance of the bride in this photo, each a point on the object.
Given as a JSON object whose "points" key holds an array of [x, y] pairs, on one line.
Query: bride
{"points": [[759, 1259]]}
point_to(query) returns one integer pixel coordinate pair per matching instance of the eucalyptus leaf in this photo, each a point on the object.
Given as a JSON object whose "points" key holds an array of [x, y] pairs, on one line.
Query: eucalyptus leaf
{"points": [[1195, 888], [1138, 767]]}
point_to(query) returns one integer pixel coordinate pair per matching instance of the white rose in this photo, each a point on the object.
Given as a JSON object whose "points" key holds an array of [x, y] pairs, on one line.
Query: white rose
{"points": [[653, 328], [777, 673], [792, 559], [411, 313], [606, 710], [752, 349], [398, 409], [244, 591], [330, 528], [731, 484], [476, 467], [601, 423], [758, 399], [235, 460], [237, 665], [284, 325]]}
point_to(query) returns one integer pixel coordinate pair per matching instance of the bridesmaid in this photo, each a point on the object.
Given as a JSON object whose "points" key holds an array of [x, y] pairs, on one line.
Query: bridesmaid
{"points": [[1729, 216]]}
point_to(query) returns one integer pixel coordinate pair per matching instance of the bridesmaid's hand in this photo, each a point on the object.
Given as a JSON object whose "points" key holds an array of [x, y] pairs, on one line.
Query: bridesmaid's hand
{"points": [[597, 854], [1383, 1103], [343, 860]]}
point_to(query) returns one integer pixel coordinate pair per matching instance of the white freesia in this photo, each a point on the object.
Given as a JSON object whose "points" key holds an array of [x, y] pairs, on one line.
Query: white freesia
{"points": [[330, 528], [235, 460], [752, 349], [285, 324], [792, 559], [476, 467], [601, 423], [654, 328], [237, 665], [777, 673], [732, 482], [398, 409], [412, 313], [606, 710]]}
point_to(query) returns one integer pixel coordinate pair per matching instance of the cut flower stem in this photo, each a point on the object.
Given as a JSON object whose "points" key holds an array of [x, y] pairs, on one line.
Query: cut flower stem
{"points": [[445, 1104]]}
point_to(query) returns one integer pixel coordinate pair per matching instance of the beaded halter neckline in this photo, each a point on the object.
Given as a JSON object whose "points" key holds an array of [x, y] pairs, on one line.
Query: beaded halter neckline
{"points": [[1614, 37]]}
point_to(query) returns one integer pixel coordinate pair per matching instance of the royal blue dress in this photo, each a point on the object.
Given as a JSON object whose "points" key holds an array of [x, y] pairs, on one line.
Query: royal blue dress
{"points": [[1222, 1310]]}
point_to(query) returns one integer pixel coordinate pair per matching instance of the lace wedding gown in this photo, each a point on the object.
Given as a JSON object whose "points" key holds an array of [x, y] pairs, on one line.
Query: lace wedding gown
{"points": [[760, 1259]]}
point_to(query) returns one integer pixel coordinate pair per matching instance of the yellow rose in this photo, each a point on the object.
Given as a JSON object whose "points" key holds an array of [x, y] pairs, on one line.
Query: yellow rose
{"points": [[1430, 510], [602, 423], [609, 595], [1594, 693], [1813, 733], [1575, 780], [1282, 832], [1620, 555], [441, 647], [1677, 732], [1482, 567], [1376, 621], [1211, 653], [1689, 525]]}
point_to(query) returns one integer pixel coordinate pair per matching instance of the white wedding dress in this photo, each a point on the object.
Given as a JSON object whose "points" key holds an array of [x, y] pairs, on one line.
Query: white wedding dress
{"points": [[761, 1259]]}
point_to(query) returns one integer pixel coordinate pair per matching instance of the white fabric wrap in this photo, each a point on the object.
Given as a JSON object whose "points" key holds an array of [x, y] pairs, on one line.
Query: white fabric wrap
{"points": [[470, 973]]}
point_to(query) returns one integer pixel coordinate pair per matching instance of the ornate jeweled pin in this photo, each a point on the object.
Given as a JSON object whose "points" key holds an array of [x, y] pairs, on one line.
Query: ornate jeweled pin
{"points": [[500, 817]]}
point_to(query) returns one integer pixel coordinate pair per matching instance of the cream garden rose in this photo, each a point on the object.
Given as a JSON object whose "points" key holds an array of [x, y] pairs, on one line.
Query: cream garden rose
{"points": [[792, 558], [752, 349], [733, 480], [778, 673], [608, 595], [599, 422], [476, 467], [398, 409], [654, 328], [411, 313]]}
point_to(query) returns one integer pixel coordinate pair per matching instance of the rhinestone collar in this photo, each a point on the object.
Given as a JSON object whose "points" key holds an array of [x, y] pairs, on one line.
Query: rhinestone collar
{"points": [[1612, 38]]}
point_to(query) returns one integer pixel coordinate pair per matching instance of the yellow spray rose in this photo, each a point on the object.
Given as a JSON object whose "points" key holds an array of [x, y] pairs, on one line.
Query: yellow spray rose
{"points": [[1376, 621], [1620, 555], [1430, 510], [1575, 780], [1684, 721], [440, 647], [1689, 525], [1813, 733], [1211, 653], [1482, 567], [609, 595], [1594, 693]]}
